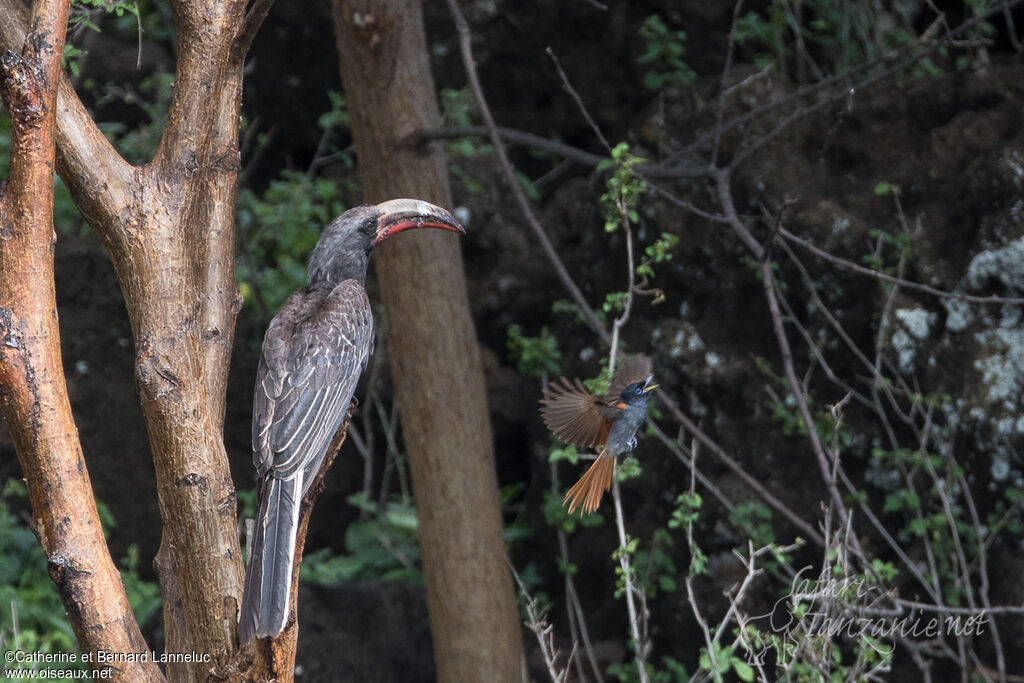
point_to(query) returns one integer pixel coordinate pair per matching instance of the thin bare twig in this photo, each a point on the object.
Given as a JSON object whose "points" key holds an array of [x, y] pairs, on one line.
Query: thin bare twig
{"points": [[913, 51], [796, 390], [687, 461], [723, 88], [690, 592], [567, 86], [469, 64], [648, 169], [737, 469], [885, 277], [637, 617], [538, 624], [577, 619]]}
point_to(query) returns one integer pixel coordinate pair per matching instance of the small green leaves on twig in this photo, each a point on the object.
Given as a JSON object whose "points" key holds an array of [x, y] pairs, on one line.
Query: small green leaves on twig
{"points": [[687, 510], [884, 188], [663, 55], [657, 252], [567, 452], [599, 385], [556, 514], [629, 468], [722, 659], [338, 116], [622, 189], [614, 303], [621, 572], [534, 355]]}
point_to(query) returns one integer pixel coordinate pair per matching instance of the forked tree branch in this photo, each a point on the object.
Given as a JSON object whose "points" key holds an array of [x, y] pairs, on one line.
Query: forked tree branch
{"points": [[168, 228], [33, 392]]}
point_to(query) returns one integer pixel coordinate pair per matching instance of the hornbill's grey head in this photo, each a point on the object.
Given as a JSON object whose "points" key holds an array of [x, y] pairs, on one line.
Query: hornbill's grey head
{"points": [[343, 250]]}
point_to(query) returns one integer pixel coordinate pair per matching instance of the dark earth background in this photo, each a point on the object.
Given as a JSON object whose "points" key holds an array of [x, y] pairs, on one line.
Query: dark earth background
{"points": [[953, 143]]}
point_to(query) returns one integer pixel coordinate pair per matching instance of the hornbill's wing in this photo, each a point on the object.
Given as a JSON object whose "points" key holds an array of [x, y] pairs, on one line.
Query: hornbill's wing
{"points": [[313, 354], [635, 368], [574, 414]]}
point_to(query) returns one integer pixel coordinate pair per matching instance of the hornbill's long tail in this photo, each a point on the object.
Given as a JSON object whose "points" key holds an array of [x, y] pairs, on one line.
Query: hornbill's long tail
{"points": [[268, 577]]}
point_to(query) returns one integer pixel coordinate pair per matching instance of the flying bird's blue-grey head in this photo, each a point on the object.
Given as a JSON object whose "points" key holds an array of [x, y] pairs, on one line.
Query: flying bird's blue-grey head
{"points": [[637, 392], [343, 251]]}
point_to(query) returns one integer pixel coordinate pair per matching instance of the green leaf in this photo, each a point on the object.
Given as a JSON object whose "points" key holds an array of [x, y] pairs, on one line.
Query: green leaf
{"points": [[534, 356], [567, 452]]}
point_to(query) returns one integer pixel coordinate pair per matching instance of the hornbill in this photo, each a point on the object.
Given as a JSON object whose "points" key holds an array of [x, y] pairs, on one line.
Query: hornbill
{"points": [[578, 417], [314, 351]]}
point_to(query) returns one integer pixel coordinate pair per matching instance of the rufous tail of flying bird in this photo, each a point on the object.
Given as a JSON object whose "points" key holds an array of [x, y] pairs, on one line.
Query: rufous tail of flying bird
{"points": [[610, 422], [315, 349]]}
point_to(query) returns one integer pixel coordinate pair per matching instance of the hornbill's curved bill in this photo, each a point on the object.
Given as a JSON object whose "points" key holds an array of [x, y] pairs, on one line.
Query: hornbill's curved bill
{"points": [[313, 354], [578, 417]]}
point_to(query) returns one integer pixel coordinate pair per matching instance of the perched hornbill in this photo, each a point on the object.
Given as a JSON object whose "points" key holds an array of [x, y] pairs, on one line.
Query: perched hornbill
{"points": [[578, 417], [313, 354]]}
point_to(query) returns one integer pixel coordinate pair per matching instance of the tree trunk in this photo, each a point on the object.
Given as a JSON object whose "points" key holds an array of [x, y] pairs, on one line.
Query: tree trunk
{"points": [[168, 227], [433, 349], [33, 392]]}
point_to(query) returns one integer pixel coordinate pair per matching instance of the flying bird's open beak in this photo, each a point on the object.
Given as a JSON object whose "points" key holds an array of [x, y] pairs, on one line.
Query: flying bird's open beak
{"points": [[647, 384], [397, 215]]}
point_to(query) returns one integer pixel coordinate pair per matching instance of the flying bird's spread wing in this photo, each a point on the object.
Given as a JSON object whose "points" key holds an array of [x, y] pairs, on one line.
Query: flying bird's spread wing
{"points": [[574, 414], [578, 417], [634, 368], [313, 354]]}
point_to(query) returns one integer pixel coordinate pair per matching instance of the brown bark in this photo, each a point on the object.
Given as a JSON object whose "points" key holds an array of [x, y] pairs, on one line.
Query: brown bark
{"points": [[168, 227], [33, 393], [433, 348]]}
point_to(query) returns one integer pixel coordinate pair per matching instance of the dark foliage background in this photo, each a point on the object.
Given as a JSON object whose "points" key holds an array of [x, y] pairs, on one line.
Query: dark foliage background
{"points": [[915, 171]]}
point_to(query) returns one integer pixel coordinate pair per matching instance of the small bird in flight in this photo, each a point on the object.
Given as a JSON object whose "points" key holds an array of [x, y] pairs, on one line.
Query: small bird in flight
{"points": [[578, 417], [315, 349]]}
